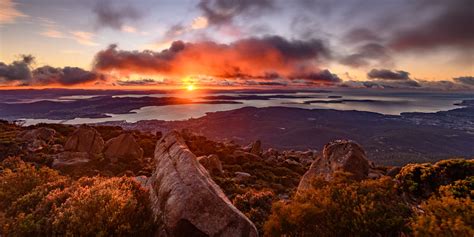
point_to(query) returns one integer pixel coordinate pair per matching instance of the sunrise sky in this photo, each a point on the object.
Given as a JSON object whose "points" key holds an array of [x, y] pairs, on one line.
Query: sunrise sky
{"points": [[424, 44]]}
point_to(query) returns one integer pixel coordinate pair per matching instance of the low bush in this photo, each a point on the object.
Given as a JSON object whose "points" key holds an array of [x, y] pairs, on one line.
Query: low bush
{"points": [[40, 202], [341, 208]]}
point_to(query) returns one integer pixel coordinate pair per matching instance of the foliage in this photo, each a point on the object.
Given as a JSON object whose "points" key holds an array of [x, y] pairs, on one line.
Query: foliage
{"points": [[341, 208], [421, 180], [9, 146], [450, 214], [39, 202], [256, 205], [19, 178]]}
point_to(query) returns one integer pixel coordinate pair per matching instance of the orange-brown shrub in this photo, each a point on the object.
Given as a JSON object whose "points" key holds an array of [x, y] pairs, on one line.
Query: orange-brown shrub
{"points": [[40, 202], [341, 208], [256, 205], [451, 213]]}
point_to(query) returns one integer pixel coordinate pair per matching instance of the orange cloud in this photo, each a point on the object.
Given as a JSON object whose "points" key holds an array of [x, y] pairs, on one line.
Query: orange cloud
{"points": [[264, 58], [8, 12]]}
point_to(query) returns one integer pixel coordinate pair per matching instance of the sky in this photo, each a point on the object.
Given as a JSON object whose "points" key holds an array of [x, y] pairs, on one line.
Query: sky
{"points": [[423, 44]]}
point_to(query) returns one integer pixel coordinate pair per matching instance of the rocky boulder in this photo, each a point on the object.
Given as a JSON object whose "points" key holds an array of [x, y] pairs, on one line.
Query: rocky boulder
{"points": [[37, 138], [338, 156], [242, 177], [71, 162], [186, 201], [211, 163], [85, 139], [123, 148], [254, 148]]}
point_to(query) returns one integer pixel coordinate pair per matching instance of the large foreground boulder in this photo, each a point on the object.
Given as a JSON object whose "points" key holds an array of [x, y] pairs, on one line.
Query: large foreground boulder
{"points": [[85, 139], [338, 156], [123, 148], [186, 201]]}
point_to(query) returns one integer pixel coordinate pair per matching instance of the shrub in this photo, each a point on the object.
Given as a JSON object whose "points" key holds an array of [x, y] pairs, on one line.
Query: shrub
{"points": [[104, 207], [445, 215], [40, 202], [421, 180], [341, 208], [256, 205], [19, 178]]}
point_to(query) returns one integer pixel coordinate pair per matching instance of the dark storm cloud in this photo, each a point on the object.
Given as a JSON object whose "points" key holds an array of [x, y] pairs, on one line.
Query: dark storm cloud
{"points": [[223, 11], [109, 14], [385, 74], [467, 80], [20, 73], [321, 76], [270, 56], [47, 75], [365, 54], [450, 26], [18, 70]]}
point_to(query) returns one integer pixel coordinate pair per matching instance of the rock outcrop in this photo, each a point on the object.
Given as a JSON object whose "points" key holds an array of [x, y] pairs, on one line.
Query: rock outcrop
{"points": [[338, 156], [123, 148], [242, 177], [85, 139], [211, 163], [37, 138], [84, 145], [186, 201], [256, 148], [69, 159]]}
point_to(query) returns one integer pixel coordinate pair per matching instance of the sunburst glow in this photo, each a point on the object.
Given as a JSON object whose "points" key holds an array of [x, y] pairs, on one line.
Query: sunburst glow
{"points": [[190, 87]]}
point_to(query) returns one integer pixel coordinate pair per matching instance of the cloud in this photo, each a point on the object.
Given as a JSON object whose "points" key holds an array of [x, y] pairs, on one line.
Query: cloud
{"points": [[84, 38], [467, 80], [112, 16], [250, 57], [405, 84], [271, 83], [143, 82], [16, 71], [66, 76], [385, 74], [451, 26], [324, 76], [20, 73], [358, 35], [52, 33], [366, 54], [385, 78], [220, 12], [128, 29], [199, 23], [8, 12]]}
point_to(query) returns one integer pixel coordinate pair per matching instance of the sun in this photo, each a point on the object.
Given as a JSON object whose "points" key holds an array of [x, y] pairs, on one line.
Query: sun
{"points": [[190, 87]]}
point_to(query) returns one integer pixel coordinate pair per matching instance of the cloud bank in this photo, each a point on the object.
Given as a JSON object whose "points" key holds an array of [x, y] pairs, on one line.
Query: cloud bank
{"points": [[267, 58], [20, 73]]}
